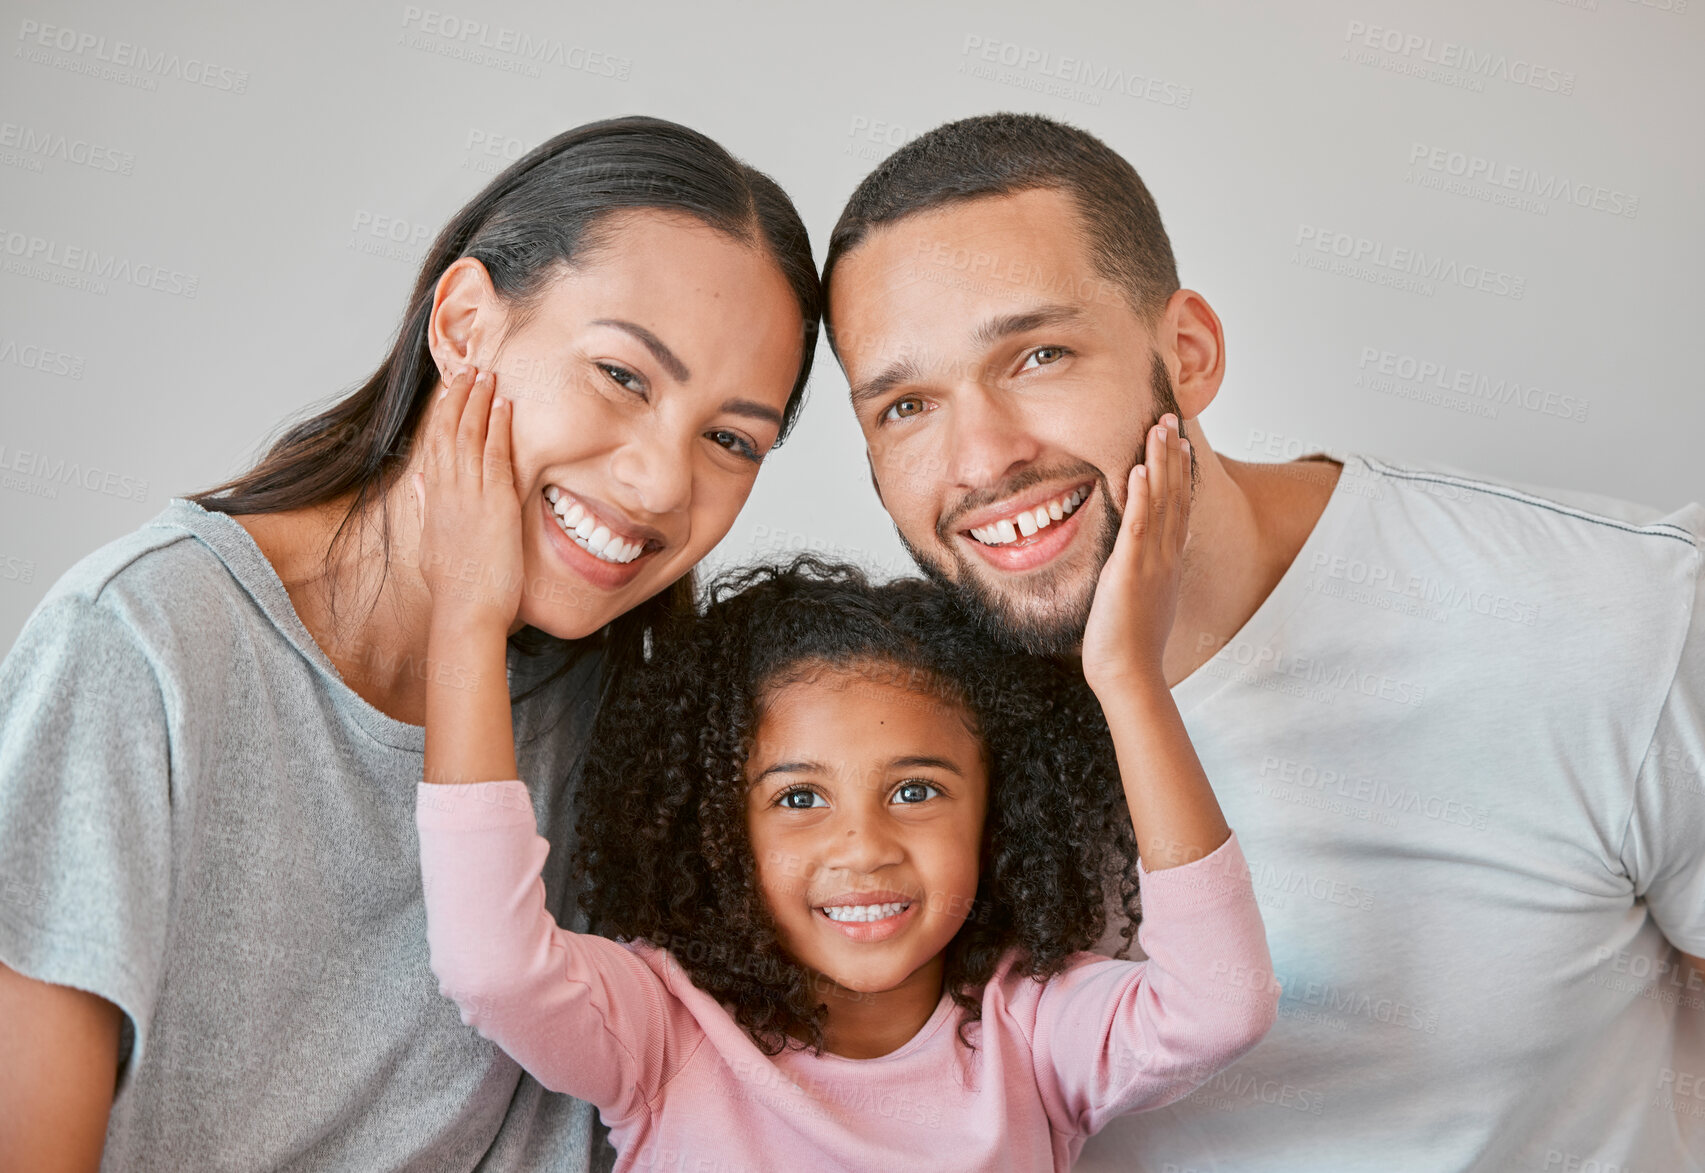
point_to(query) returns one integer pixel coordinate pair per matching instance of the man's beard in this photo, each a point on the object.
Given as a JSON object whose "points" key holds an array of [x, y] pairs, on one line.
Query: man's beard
{"points": [[1048, 619]]}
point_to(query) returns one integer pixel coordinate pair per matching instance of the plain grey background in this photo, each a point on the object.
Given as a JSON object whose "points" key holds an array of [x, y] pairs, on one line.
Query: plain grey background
{"points": [[210, 216]]}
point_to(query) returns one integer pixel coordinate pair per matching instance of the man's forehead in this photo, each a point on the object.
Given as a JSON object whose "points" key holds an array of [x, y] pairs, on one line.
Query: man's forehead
{"points": [[945, 276]]}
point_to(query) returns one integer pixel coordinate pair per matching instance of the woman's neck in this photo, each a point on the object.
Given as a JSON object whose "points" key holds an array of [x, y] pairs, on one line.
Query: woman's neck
{"points": [[368, 612], [864, 1025]]}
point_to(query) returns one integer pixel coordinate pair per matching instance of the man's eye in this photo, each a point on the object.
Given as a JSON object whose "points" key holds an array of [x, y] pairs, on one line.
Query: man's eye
{"points": [[910, 792], [624, 378], [800, 799], [1043, 355], [735, 443], [904, 408]]}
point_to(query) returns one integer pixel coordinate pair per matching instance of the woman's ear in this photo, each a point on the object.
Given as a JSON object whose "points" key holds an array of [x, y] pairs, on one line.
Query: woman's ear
{"points": [[466, 316]]}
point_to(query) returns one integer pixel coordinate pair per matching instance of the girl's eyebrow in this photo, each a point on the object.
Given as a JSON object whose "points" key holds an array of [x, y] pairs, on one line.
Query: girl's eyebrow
{"points": [[792, 768], [910, 762], [914, 763]]}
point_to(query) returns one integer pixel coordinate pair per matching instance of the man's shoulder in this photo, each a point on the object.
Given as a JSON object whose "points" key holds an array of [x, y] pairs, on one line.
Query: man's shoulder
{"points": [[1556, 522]]}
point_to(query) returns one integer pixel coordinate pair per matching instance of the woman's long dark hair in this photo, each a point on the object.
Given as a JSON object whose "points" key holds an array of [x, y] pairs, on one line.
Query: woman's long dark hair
{"points": [[663, 845], [532, 218]]}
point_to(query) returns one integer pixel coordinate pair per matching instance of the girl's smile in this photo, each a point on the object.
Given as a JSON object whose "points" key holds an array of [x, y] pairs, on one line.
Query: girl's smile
{"points": [[866, 814]]}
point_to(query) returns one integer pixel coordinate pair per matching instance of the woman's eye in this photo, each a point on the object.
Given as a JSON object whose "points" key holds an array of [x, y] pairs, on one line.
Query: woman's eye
{"points": [[904, 408], [799, 800], [1043, 355], [915, 792], [624, 378], [735, 443]]}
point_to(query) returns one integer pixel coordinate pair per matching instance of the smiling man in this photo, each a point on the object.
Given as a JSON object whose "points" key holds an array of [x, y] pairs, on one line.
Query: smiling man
{"points": [[1458, 726]]}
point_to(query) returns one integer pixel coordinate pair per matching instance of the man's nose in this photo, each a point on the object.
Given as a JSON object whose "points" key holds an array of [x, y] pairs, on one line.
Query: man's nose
{"points": [[988, 438]]}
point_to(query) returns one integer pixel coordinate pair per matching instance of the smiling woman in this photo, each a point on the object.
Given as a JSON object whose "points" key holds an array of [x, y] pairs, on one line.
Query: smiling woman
{"points": [[210, 729]]}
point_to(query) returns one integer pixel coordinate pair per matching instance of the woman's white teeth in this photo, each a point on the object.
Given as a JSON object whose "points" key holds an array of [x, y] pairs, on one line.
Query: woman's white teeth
{"points": [[859, 913], [578, 523], [1027, 522]]}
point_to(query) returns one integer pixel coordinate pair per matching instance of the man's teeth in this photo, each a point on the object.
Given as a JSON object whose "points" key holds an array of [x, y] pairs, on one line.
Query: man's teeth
{"points": [[864, 912], [1025, 523], [580, 525]]}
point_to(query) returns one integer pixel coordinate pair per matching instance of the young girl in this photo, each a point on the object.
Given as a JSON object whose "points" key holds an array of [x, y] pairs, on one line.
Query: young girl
{"points": [[852, 858]]}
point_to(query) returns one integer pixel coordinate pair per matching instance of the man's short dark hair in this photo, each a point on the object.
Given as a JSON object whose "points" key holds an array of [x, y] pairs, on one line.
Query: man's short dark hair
{"points": [[1000, 154]]}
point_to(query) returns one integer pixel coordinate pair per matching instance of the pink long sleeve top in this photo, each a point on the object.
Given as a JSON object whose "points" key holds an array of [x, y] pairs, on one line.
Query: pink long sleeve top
{"points": [[682, 1087]]}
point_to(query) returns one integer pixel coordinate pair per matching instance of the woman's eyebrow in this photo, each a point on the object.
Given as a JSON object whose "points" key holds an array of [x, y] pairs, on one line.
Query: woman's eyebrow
{"points": [[671, 362]]}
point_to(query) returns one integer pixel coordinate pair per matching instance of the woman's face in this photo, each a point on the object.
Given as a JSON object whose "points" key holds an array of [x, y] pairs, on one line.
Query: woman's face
{"points": [[648, 383]]}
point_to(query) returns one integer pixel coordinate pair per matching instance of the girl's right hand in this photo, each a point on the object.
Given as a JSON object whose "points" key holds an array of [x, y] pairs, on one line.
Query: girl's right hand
{"points": [[470, 541], [1137, 593]]}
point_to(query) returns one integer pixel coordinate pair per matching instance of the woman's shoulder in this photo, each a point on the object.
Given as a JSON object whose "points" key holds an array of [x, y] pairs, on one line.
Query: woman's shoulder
{"points": [[162, 581]]}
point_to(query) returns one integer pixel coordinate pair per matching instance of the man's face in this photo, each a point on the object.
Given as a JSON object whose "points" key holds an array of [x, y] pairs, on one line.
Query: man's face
{"points": [[1004, 387]]}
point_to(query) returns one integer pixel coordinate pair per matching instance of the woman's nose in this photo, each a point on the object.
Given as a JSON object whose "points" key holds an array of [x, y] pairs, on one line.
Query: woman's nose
{"points": [[657, 470]]}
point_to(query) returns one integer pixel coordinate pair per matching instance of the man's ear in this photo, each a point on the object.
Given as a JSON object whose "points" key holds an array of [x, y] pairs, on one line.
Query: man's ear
{"points": [[871, 465], [1191, 330]]}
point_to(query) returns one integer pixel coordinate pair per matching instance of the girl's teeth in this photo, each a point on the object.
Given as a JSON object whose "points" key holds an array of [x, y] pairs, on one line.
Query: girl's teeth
{"points": [[864, 913]]}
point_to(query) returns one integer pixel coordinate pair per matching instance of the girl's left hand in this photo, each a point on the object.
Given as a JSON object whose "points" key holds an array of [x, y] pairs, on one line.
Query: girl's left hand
{"points": [[1137, 594], [470, 542]]}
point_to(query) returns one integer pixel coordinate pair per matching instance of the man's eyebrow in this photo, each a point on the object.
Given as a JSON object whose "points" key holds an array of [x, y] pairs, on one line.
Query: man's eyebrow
{"points": [[904, 370], [752, 410], [1006, 325], [895, 374], [671, 363]]}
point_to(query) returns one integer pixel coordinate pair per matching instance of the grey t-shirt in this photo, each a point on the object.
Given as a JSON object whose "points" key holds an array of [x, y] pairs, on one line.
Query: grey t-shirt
{"points": [[201, 822]]}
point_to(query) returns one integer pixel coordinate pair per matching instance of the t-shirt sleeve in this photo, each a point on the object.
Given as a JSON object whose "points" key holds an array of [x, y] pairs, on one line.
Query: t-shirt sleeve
{"points": [[1118, 1036], [1664, 847], [85, 807], [582, 1014]]}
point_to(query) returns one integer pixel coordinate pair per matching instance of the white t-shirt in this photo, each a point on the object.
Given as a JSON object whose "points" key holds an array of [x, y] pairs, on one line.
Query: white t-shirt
{"points": [[1463, 746]]}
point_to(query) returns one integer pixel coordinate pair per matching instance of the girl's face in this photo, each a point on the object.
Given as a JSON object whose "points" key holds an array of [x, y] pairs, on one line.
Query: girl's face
{"points": [[648, 383], [865, 811]]}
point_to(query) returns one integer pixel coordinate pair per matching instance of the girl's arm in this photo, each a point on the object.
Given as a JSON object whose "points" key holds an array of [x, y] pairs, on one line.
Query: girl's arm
{"points": [[1173, 809], [583, 1015], [470, 556], [1113, 1036]]}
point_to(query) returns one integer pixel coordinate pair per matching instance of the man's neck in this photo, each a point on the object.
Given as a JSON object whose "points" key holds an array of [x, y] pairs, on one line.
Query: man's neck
{"points": [[1248, 521]]}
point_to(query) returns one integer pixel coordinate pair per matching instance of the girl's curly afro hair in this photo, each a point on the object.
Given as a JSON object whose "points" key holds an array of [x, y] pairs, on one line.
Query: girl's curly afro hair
{"points": [[664, 855]]}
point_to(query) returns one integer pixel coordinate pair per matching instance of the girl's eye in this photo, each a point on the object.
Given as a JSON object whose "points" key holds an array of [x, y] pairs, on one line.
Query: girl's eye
{"points": [[735, 443], [903, 408], [624, 378], [800, 799], [1043, 355], [911, 792]]}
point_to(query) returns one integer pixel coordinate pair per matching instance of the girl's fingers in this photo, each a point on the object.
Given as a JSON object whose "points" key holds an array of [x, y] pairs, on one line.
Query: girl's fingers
{"points": [[446, 414], [1174, 484], [1183, 534], [470, 432], [497, 472], [1156, 467]]}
